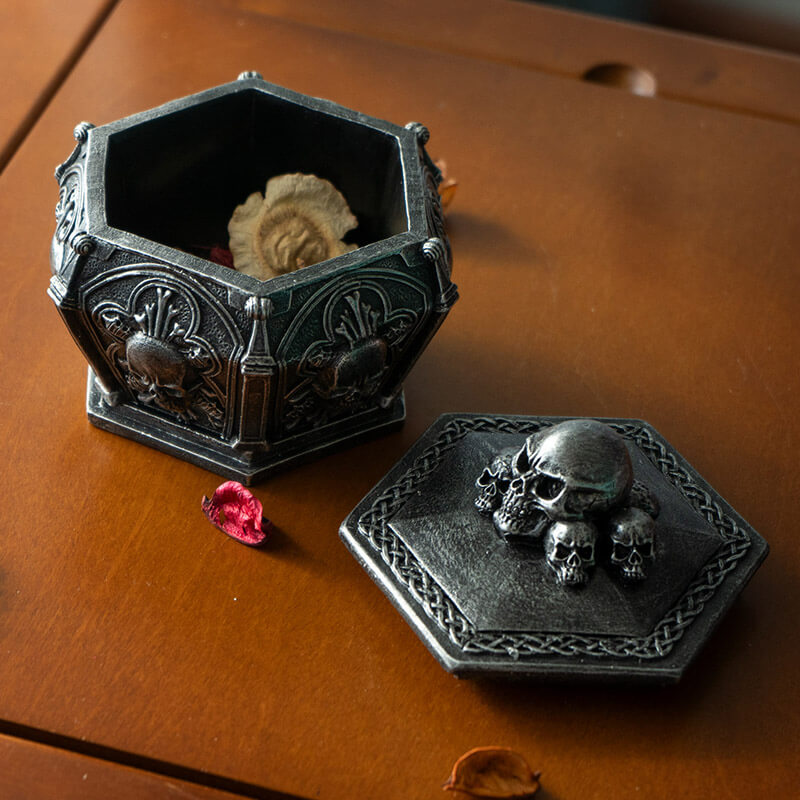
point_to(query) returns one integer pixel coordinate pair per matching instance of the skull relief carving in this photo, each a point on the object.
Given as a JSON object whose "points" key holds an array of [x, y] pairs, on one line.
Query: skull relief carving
{"points": [[519, 515], [578, 468], [492, 483], [156, 350], [570, 471], [570, 486], [632, 534], [570, 550], [157, 372]]}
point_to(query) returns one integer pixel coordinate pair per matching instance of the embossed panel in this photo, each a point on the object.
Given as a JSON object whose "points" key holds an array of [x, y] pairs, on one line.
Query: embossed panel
{"points": [[169, 345], [70, 240], [164, 329], [339, 354]]}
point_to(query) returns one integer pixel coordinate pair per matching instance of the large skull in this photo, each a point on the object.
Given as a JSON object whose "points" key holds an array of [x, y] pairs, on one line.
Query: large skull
{"points": [[574, 470], [632, 533], [492, 483], [570, 550]]}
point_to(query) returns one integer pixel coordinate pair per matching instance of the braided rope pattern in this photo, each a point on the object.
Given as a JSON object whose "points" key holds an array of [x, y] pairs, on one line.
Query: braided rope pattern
{"points": [[374, 525]]}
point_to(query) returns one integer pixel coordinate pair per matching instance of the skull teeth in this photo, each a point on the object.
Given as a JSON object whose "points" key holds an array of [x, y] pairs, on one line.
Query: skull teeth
{"points": [[507, 522], [486, 503], [572, 576], [511, 523], [633, 573]]}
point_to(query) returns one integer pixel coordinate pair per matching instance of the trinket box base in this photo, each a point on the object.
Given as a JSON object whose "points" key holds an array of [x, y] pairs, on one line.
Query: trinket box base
{"points": [[484, 607], [218, 367], [203, 451]]}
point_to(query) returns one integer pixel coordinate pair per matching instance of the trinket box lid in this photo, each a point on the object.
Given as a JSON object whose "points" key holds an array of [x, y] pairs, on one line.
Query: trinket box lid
{"points": [[485, 607]]}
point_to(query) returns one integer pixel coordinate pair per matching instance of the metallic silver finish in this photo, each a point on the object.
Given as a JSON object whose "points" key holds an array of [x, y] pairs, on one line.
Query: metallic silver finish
{"points": [[493, 482], [195, 359], [569, 548], [563, 483], [632, 537], [485, 606]]}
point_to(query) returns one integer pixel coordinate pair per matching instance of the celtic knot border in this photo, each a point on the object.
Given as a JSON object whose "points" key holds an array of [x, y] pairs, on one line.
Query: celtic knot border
{"points": [[374, 525]]}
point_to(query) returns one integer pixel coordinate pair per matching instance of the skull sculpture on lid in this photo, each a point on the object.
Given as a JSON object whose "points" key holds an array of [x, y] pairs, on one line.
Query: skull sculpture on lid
{"points": [[624, 562], [568, 486], [570, 550], [493, 482], [632, 534]]}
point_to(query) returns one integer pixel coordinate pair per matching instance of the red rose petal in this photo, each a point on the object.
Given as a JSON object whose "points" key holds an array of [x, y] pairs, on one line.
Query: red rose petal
{"points": [[235, 511], [221, 255]]}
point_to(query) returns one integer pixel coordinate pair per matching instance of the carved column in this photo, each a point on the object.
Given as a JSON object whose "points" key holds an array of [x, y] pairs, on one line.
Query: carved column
{"points": [[257, 369]]}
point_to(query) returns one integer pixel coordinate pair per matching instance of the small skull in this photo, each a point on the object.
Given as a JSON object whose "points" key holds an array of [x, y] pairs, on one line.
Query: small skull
{"points": [[575, 470], [632, 533], [642, 497], [518, 515], [492, 483], [570, 550]]}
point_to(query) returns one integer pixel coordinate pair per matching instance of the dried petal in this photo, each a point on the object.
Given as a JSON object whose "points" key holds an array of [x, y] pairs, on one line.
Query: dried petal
{"points": [[235, 511], [221, 255], [299, 221], [495, 772], [447, 186]]}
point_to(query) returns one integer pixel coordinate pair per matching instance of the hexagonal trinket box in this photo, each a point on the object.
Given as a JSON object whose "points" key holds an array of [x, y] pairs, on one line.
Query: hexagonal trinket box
{"points": [[194, 358], [545, 547]]}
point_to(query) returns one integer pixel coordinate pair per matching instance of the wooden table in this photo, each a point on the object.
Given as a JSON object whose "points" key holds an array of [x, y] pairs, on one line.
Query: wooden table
{"points": [[616, 255], [39, 44], [34, 770]]}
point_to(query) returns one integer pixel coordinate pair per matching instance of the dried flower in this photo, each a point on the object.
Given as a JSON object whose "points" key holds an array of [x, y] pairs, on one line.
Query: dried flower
{"points": [[299, 221], [493, 772], [235, 511]]}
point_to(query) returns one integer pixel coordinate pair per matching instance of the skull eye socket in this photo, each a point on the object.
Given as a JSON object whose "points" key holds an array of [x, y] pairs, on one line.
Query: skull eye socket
{"points": [[645, 549], [516, 485], [548, 488], [621, 551], [586, 552], [562, 551], [521, 461], [485, 478], [503, 484]]}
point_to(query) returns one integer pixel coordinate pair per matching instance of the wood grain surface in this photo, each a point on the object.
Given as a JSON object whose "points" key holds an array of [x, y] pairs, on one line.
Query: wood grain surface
{"points": [[39, 43], [616, 256], [693, 69], [32, 771]]}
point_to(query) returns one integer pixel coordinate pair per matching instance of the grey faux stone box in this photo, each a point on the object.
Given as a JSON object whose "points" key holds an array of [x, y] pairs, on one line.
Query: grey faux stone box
{"points": [[238, 375]]}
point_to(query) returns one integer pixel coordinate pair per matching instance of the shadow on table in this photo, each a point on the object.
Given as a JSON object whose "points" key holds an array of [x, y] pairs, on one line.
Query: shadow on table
{"points": [[710, 713]]}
